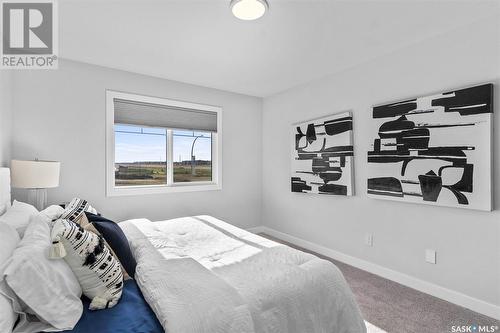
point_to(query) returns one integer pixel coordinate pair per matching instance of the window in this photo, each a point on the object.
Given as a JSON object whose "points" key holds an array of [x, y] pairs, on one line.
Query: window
{"points": [[140, 155], [194, 151], [156, 145]]}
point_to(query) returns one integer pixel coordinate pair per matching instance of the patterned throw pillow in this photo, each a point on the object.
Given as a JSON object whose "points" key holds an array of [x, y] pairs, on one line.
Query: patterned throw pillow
{"points": [[76, 208], [75, 212], [99, 273]]}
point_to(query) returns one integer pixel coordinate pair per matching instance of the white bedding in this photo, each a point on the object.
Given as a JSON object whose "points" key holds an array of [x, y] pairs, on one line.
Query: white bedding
{"points": [[200, 274]]}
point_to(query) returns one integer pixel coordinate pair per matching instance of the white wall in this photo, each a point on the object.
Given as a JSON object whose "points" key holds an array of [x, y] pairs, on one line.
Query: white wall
{"points": [[60, 115], [5, 116], [467, 242]]}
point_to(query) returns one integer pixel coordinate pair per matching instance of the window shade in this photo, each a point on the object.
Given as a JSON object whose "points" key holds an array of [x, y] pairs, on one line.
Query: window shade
{"points": [[156, 115]]}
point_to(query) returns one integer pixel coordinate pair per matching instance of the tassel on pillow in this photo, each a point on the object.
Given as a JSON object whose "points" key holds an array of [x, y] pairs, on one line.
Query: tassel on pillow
{"points": [[57, 250], [99, 302]]}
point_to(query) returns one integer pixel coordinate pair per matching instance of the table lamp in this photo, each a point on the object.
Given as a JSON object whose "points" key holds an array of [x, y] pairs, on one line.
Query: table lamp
{"points": [[37, 176]]}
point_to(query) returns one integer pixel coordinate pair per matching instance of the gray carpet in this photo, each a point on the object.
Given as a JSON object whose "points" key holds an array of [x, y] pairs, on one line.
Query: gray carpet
{"points": [[399, 309]]}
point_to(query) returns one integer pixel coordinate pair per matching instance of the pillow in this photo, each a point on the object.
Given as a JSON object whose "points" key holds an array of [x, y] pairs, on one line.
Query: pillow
{"points": [[74, 210], [18, 216], [98, 272], [53, 212], [115, 237], [4, 207], [9, 238], [44, 292], [86, 225]]}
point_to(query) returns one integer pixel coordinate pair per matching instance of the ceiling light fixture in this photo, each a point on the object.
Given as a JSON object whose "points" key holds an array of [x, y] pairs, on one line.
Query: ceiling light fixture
{"points": [[249, 9]]}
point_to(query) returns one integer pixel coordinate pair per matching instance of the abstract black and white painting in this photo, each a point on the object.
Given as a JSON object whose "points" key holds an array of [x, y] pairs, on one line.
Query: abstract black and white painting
{"points": [[434, 149], [322, 155]]}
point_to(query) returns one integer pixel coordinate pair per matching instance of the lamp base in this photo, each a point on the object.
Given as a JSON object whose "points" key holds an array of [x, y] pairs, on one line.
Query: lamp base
{"points": [[38, 198]]}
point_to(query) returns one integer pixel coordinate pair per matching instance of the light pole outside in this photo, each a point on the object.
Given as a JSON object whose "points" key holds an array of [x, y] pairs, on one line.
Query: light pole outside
{"points": [[193, 158]]}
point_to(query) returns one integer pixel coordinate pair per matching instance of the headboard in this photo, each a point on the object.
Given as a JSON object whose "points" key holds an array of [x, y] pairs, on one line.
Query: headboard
{"points": [[4, 189]]}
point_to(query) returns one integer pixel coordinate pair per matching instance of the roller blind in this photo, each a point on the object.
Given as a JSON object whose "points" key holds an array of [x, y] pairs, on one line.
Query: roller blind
{"points": [[156, 115]]}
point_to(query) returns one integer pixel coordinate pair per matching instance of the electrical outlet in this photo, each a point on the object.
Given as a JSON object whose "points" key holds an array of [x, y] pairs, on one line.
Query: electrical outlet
{"points": [[369, 239], [430, 256]]}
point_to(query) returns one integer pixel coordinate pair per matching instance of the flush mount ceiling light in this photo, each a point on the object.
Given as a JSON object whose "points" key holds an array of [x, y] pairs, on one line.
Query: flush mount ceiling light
{"points": [[249, 9]]}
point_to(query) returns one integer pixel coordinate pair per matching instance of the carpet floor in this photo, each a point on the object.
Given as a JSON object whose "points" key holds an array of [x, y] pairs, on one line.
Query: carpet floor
{"points": [[394, 308]]}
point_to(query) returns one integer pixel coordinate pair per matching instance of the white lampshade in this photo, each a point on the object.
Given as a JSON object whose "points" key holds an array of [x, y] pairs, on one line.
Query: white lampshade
{"points": [[35, 174]]}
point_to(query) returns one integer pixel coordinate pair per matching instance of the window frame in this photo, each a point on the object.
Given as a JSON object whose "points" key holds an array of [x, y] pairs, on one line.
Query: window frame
{"points": [[170, 187]]}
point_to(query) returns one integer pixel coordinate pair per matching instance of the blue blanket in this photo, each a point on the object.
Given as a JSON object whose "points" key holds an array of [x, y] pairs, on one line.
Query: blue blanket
{"points": [[131, 315]]}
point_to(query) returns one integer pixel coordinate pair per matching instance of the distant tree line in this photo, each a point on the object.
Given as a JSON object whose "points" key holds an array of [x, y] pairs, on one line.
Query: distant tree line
{"points": [[187, 162]]}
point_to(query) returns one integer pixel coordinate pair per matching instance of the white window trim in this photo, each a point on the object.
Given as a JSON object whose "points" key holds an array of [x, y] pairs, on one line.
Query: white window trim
{"points": [[112, 190]]}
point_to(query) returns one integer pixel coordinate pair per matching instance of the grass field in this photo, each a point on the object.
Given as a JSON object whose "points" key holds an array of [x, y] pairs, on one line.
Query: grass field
{"points": [[129, 174]]}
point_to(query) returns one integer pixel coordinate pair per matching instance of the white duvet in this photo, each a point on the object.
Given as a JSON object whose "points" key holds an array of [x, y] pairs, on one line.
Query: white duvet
{"points": [[200, 274]]}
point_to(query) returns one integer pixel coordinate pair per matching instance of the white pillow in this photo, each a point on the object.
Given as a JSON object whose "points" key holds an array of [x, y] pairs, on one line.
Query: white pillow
{"points": [[53, 212], [9, 238], [4, 207], [44, 292], [18, 216]]}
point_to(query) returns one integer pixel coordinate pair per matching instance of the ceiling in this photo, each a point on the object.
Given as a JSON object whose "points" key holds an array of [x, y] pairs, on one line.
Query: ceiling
{"points": [[200, 42]]}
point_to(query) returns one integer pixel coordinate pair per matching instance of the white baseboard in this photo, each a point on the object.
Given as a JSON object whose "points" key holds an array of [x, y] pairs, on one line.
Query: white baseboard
{"points": [[258, 230], [474, 304]]}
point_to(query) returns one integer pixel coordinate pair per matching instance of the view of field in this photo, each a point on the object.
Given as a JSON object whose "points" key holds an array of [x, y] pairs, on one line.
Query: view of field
{"points": [[140, 155], [182, 173], [154, 173]]}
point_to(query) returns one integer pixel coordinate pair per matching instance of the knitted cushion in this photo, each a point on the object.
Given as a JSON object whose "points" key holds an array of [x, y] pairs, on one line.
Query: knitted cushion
{"points": [[76, 208], [75, 212], [99, 273]]}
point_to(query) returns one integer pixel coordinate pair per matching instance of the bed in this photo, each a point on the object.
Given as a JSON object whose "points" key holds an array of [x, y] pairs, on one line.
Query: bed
{"points": [[200, 274], [131, 314]]}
